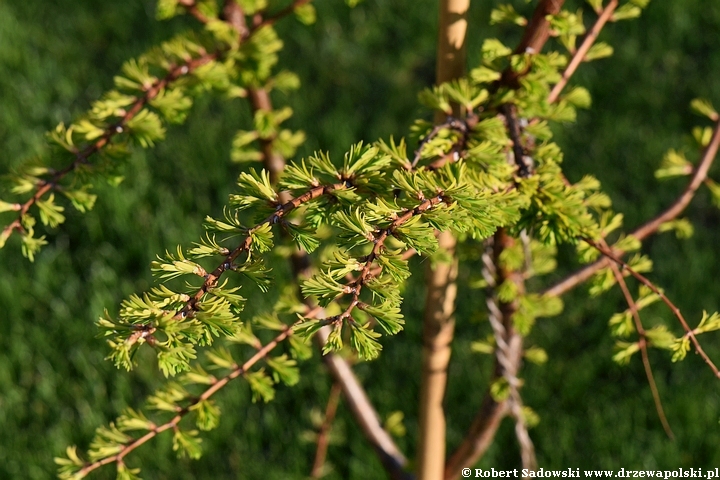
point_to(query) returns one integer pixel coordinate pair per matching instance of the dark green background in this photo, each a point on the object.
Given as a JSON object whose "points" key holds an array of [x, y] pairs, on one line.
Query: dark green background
{"points": [[361, 70]]}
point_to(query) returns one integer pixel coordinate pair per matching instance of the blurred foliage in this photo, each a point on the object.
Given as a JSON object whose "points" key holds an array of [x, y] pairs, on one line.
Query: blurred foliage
{"points": [[360, 70]]}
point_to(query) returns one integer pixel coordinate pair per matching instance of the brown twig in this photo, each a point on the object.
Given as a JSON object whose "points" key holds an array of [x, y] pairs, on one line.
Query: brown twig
{"points": [[520, 156], [642, 343], [273, 162], [324, 433], [579, 55], [673, 308], [233, 14], [172, 424], [536, 35], [652, 226], [365, 414], [537, 31]]}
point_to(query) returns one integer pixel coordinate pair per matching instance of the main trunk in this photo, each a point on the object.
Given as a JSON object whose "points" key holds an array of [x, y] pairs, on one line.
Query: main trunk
{"points": [[438, 324]]}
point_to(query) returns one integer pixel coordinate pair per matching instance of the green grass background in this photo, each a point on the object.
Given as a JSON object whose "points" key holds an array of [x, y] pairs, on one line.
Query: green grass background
{"points": [[361, 70]]}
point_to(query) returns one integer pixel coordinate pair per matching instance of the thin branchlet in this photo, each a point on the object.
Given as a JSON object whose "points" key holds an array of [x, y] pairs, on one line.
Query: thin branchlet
{"points": [[582, 51], [643, 344], [211, 280]]}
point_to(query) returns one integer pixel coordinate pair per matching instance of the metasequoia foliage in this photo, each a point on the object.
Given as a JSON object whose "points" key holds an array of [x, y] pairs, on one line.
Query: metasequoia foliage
{"points": [[361, 217]]}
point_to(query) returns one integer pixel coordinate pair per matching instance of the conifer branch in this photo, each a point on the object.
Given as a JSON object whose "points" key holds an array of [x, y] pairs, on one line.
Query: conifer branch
{"points": [[536, 34], [236, 372], [142, 328], [642, 343], [461, 125], [484, 427], [651, 227], [235, 17], [82, 157], [476, 441]]}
